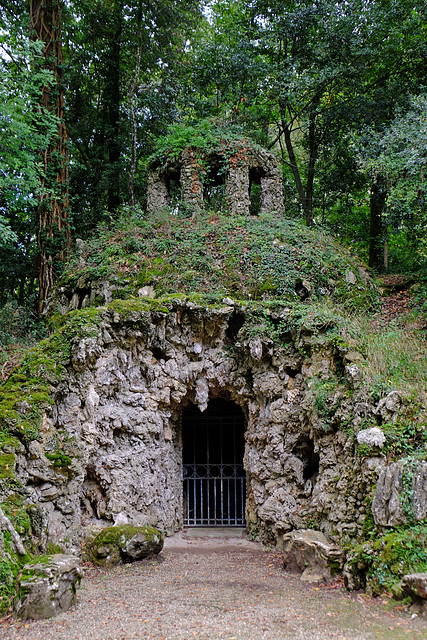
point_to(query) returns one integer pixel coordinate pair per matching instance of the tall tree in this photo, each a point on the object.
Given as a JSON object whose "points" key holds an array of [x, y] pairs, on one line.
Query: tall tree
{"points": [[122, 60], [54, 237], [327, 69], [397, 156]]}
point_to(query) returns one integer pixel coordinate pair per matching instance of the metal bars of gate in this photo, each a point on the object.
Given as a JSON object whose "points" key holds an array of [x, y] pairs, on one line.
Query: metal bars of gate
{"points": [[214, 480], [215, 495]]}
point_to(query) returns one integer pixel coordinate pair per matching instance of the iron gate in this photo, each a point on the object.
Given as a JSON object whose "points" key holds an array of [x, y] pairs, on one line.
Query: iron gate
{"points": [[214, 477]]}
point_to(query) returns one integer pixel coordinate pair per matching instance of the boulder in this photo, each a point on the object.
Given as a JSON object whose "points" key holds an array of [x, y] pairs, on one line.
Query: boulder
{"points": [[47, 587], [124, 543], [414, 585], [390, 494], [308, 552], [371, 438]]}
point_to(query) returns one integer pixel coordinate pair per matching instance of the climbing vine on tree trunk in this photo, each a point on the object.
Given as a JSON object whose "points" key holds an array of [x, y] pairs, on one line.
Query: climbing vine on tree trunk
{"points": [[53, 235]]}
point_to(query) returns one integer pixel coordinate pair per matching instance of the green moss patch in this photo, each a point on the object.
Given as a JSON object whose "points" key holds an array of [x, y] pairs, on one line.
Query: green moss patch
{"points": [[10, 562], [26, 394], [382, 562], [9, 569], [250, 258]]}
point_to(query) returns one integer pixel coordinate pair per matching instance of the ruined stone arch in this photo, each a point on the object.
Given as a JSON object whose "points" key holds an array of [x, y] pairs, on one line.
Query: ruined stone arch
{"points": [[234, 169]]}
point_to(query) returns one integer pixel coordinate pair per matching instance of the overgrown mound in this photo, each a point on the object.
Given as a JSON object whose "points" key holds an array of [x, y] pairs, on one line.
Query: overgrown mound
{"points": [[248, 258]]}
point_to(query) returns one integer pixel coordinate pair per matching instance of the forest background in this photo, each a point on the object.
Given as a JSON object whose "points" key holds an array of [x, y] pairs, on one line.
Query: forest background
{"points": [[89, 87]]}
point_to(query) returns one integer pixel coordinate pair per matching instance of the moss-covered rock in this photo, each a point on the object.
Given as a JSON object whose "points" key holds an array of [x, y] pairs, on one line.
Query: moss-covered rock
{"points": [[125, 543], [380, 563], [47, 587]]}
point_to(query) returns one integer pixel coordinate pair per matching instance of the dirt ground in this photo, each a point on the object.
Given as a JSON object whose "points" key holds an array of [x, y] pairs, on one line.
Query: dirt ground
{"points": [[216, 588]]}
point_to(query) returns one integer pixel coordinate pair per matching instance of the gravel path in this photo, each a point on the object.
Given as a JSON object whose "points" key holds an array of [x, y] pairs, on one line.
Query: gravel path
{"points": [[215, 589]]}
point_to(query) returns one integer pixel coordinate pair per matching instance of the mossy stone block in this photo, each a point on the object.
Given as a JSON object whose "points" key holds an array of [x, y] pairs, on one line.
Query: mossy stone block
{"points": [[47, 587], [125, 543]]}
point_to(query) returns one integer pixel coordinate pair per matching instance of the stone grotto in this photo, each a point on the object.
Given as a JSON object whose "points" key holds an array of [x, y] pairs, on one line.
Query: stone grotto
{"points": [[118, 442], [174, 412]]}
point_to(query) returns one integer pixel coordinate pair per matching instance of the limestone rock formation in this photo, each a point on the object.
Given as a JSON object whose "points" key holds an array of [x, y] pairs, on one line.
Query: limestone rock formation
{"points": [[47, 587], [110, 442], [308, 552], [372, 438], [391, 505]]}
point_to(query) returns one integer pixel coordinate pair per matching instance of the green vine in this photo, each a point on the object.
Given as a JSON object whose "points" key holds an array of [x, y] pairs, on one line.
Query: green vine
{"points": [[409, 470]]}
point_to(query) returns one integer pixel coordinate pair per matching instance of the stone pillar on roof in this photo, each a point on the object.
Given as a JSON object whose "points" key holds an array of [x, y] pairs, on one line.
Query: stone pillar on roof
{"points": [[157, 192], [191, 183], [272, 193], [237, 190], [271, 185]]}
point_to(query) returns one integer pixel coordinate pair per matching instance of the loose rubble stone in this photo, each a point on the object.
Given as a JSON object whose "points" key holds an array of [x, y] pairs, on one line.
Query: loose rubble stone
{"points": [[350, 277], [308, 552], [47, 587]]}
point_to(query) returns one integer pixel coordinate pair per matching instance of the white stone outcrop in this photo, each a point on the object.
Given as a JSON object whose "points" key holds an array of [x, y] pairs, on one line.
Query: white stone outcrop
{"points": [[309, 553], [372, 438]]}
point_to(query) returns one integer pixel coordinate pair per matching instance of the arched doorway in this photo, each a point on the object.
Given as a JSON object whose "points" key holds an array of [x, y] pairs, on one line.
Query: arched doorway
{"points": [[214, 477]]}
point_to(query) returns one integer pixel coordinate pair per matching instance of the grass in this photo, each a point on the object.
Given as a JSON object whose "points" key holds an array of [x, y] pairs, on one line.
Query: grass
{"points": [[395, 355]]}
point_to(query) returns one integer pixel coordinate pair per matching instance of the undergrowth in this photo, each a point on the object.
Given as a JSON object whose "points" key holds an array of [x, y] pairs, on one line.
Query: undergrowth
{"points": [[395, 356], [383, 560], [20, 329], [252, 258]]}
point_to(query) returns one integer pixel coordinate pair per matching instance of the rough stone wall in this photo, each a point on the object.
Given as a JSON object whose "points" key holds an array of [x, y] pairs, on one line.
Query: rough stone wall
{"points": [[117, 416], [157, 192], [272, 193], [191, 182], [237, 190], [192, 174], [271, 185]]}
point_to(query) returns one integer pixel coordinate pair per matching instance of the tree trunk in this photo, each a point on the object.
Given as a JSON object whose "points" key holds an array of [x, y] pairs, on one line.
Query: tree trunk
{"points": [[306, 198], [112, 102], [132, 89], [53, 237], [377, 203], [312, 156]]}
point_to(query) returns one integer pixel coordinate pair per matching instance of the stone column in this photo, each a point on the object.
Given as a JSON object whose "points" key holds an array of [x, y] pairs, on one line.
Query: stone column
{"points": [[237, 191], [157, 192], [272, 193], [191, 184]]}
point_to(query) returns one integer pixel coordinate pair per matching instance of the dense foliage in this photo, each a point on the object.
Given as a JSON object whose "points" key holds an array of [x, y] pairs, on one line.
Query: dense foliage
{"points": [[336, 89]]}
